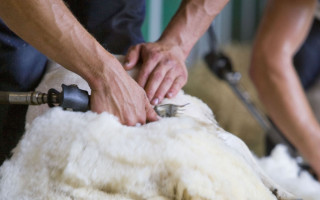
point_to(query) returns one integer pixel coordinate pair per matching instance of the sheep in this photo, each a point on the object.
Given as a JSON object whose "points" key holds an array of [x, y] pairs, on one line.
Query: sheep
{"points": [[75, 155]]}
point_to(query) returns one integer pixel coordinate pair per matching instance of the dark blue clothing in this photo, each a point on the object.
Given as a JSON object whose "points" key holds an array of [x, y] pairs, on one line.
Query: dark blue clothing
{"points": [[116, 24], [307, 59]]}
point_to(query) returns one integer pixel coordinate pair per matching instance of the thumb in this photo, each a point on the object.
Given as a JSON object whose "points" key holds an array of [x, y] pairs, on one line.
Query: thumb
{"points": [[132, 57], [151, 115]]}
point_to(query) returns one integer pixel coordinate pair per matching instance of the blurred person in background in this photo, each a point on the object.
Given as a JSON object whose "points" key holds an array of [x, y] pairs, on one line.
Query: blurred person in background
{"points": [[285, 62]]}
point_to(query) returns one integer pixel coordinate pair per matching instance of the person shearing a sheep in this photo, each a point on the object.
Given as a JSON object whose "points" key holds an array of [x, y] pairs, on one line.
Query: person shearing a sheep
{"points": [[50, 27], [284, 28]]}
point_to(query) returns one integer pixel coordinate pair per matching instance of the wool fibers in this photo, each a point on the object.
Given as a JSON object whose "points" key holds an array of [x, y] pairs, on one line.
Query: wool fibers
{"points": [[73, 155]]}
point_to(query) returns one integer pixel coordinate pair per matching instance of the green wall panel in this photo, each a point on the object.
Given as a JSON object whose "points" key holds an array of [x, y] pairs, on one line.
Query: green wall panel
{"points": [[169, 9], [145, 27]]}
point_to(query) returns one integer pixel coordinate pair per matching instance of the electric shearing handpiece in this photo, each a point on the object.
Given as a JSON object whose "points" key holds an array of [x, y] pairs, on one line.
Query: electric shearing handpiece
{"points": [[71, 97]]}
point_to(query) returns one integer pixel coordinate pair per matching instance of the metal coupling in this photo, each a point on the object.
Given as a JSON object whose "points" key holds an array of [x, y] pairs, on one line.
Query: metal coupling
{"points": [[28, 98]]}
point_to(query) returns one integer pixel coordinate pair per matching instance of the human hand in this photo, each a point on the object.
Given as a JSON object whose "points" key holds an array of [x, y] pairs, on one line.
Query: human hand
{"points": [[163, 71], [121, 96]]}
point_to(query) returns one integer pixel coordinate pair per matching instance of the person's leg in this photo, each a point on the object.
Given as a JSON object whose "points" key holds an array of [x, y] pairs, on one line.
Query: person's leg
{"points": [[21, 68], [307, 64], [307, 59], [115, 24]]}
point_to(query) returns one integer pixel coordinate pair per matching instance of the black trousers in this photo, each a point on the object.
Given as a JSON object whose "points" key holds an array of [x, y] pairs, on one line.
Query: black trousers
{"points": [[116, 24]]}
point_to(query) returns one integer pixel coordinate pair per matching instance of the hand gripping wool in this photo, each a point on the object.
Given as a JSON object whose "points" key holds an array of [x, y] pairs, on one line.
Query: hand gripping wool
{"points": [[73, 155]]}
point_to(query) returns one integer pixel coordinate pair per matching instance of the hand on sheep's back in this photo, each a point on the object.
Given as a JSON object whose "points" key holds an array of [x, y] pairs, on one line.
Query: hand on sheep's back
{"points": [[162, 69], [116, 92]]}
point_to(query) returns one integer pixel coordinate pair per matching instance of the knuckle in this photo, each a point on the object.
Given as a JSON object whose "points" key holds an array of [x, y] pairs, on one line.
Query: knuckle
{"points": [[157, 75], [175, 87], [143, 78], [130, 122], [150, 93], [142, 119], [159, 92], [154, 55], [171, 61], [168, 79], [173, 90], [144, 73]]}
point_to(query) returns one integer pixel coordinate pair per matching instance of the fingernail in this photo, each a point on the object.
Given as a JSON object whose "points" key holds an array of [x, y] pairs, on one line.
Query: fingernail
{"points": [[155, 101], [170, 94], [127, 63]]}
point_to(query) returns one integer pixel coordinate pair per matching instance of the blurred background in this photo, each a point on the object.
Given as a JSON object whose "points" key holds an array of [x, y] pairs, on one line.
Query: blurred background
{"points": [[237, 22], [235, 28]]}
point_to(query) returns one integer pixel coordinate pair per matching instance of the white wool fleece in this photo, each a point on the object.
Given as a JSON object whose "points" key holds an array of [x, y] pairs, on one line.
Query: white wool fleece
{"points": [[88, 156], [73, 155]]}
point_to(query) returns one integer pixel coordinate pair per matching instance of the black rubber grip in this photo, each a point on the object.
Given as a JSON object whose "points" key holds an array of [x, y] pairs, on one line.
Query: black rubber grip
{"points": [[74, 98]]}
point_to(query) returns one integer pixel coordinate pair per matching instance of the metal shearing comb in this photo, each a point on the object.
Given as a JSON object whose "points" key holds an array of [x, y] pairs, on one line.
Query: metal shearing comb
{"points": [[169, 110]]}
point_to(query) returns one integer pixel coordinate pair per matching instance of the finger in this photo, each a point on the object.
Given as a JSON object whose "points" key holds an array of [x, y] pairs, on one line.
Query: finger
{"points": [[164, 87], [151, 115], [129, 122], [146, 69], [154, 81], [134, 119], [142, 117], [176, 87], [132, 57]]}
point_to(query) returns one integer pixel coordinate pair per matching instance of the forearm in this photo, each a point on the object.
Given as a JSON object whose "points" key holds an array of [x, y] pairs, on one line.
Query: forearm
{"points": [[190, 22], [49, 26]]}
